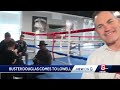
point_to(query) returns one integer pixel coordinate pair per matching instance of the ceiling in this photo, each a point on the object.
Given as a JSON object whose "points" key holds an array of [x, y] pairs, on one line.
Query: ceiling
{"points": [[78, 13]]}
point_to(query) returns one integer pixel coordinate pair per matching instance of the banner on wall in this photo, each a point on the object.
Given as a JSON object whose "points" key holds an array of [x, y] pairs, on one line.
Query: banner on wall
{"points": [[39, 24]]}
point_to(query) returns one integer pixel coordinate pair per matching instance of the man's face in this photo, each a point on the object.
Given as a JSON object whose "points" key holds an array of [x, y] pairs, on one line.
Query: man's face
{"points": [[7, 39], [108, 27], [42, 46], [22, 38], [13, 46]]}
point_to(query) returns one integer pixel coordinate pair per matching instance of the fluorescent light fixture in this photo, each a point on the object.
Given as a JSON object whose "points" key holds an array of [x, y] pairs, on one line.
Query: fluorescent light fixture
{"points": [[117, 13], [12, 12]]}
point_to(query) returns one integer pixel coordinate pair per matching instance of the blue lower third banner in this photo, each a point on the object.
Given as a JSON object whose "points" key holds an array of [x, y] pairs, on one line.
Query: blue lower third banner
{"points": [[35, 69], [59, 68]]}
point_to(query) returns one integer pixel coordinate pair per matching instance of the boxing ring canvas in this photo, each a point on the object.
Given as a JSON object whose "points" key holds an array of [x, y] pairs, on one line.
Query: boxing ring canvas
{"points": [[39, 23]]}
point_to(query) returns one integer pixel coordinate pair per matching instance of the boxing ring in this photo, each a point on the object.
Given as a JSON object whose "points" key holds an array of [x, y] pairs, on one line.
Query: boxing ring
{"points": [[67, 48]]}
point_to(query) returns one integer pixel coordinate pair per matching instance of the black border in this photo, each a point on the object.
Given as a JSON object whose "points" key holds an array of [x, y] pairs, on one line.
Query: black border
{"points": [[48, 5], [84, 5], [61, 83]]}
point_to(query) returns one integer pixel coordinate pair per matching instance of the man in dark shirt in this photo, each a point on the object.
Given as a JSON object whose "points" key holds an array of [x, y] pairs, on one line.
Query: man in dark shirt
{"points": [[3, 43], [43, 56], [21, 46], [8, 57]]}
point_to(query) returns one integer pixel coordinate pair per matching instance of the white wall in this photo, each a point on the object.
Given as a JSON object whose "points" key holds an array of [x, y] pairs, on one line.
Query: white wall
{"points": [[52, 18], [27, 19]]}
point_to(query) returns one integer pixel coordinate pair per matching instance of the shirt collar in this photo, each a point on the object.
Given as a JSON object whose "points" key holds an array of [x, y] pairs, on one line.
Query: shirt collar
{"points": [[108, 49]]}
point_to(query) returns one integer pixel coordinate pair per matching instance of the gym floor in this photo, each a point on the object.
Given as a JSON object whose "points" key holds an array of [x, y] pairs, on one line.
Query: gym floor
{"points": [[62, 61]]}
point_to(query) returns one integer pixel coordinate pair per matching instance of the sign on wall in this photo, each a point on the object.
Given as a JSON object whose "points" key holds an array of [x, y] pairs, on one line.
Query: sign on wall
{"points": [[39, 24]]}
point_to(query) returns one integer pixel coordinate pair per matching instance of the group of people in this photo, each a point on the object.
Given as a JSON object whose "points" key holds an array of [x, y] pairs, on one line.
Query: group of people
{"points": [[107, 25], [11, 53]]}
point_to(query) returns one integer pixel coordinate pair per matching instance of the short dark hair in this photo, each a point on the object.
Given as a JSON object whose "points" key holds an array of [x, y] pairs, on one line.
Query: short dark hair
{"points": [[7, 34], [11, 43], [97, 12], [22, 35]]}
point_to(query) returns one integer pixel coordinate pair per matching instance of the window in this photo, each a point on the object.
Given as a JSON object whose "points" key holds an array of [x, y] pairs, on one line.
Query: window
{"points": [[10, 21]]}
